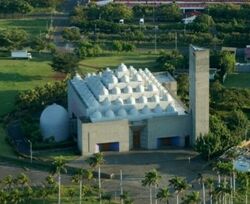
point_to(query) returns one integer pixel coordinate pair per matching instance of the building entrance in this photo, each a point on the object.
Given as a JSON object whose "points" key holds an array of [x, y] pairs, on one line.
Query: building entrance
{"points": [[105, 147], [136, 139]]}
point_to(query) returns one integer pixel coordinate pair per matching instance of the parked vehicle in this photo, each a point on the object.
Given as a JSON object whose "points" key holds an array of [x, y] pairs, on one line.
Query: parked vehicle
{"points": [[21, 54]]}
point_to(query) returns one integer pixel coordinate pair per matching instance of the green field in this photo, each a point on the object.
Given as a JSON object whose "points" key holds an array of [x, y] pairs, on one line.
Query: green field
{"points": [[238, 80], [6, 149], [138, 60], [31, 25], [18, 75]]}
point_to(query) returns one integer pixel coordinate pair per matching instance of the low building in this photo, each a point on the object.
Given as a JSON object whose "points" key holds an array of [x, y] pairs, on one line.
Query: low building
{"points": [[247, 54], [128, 108]]}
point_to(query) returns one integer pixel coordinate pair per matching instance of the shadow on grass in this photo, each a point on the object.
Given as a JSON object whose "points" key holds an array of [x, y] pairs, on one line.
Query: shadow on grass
{"points": [[7, 100], [15, 77]]}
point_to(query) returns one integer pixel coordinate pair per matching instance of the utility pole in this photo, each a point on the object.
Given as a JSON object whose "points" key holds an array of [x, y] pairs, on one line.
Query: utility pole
{"points": [[156, 28], [31, 153], [176, 41], [121, 187]]}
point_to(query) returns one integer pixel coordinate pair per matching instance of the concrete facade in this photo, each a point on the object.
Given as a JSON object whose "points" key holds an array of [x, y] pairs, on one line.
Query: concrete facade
{"points": [[92, 134], [168, 127], [199, 91]]}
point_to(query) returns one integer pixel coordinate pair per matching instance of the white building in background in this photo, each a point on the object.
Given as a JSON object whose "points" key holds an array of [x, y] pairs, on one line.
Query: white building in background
{"points": [[188, 20], [126, 108]]}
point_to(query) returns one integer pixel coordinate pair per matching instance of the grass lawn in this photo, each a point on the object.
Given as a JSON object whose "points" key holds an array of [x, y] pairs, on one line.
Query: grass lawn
{"points": [[6, 149], [18, 75], [238, 80], [138, 60], [32, 26]]}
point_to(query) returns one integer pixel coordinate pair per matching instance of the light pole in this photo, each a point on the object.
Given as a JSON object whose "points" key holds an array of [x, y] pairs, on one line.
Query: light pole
{"points": [[156, 28], [31, 153]]}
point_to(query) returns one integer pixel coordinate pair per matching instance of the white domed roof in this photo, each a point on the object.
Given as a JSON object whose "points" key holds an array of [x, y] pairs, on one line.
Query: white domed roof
{"points": [[77, 77], [110, 114], [146, 110], [137, 77], [128, 89], [152, 87], [165, 97], [122, 68], [156, 98], [116, 90], [158, 109], [54, 123], [133, 111], [143, 99], [125, 79], [140, 88], [118, 101], [170, 108], [106, 102], [122, 112], [131, 100], [97, 115], [132, 69]]}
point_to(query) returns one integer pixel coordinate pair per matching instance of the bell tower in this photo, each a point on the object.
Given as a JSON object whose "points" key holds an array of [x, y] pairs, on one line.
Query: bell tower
{"points": [[199, 91]]}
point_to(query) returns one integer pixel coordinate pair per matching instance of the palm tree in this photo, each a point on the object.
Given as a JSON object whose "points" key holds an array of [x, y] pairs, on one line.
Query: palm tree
{"points": [[210, 184], [201, 180], [71, 194], [163, 194], [151, 178], [3, 196], [8, 181], [15, 196], [192, 198], [243, 179], [78, 178], [179, 184], [126, 198], [59, 164], [23, 180], [43, 193], [222, 191], [96, 161]]}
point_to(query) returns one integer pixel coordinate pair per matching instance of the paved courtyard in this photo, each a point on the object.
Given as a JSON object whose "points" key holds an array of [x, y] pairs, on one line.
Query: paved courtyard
{"points": [[134, 164]]}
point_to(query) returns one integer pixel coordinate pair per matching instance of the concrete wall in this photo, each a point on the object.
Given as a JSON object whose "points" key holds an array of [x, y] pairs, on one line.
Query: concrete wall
{"points": [[91, 134], [167, 126], [199, 91], [75, 104], [171, 85]]}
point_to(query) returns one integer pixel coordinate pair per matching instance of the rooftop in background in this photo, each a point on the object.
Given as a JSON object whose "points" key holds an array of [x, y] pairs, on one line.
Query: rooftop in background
{"points": [[163, 77], [126, 93]]}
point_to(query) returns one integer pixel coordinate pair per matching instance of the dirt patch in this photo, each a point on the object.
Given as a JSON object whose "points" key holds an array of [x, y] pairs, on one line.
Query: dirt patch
{"points": [[59, 76]]}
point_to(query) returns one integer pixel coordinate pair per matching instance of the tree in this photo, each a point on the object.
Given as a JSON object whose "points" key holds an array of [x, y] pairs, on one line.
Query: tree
{"points": [[71, 34], [209, 183], [64, 62], [151, 178], [78, 178], [202, 182], [96, 161], [179, 184], [227, 62], [8, 182], [59, 166], [71, 194], [170, 12], [23, 180], [237, 122], [3, 196], [203, 23], [192, 198], [13, 38], [126, 198], [164, 195]]}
